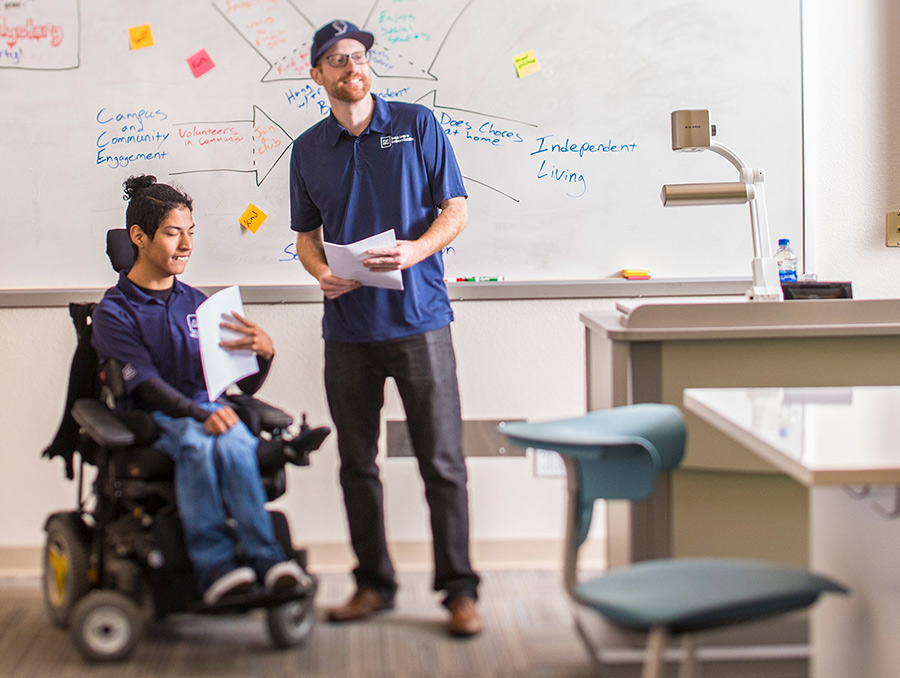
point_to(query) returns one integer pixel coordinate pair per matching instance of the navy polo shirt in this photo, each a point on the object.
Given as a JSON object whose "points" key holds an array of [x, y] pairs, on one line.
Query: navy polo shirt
{"points": [[393, 176], [150, 337]]}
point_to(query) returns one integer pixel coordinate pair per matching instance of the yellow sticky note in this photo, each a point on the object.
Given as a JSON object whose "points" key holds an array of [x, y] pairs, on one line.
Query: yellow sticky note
{"points": [[526, 63], [140, 36], [252, 218]]}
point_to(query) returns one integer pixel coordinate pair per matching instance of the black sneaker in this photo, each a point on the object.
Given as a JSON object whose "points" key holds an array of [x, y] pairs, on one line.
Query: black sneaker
{"points": [[238, 580], [285, 576]]}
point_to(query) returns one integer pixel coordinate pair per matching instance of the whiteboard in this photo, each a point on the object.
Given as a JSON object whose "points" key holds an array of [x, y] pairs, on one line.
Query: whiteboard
{"points": [[563, 166]]}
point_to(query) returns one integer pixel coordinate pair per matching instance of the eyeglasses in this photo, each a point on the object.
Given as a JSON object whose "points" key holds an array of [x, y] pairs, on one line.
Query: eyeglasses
{"points": [[340, 60]]}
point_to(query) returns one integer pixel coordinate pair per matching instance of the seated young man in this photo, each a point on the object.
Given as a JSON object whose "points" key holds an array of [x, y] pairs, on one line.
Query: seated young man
{"points": [[147, 322]]}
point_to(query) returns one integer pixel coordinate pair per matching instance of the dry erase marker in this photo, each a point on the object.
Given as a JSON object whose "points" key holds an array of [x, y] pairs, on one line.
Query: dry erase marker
{"points": [[481, 278]]}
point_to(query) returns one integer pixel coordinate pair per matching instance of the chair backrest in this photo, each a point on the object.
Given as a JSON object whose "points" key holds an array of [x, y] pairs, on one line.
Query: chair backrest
{"points": [[119, 249], [83, 376], [655, 436], [83, 383], [609, 454]]}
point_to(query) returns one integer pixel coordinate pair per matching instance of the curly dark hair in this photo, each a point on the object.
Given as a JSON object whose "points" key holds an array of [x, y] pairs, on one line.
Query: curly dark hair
{"points": [[149, 202]]}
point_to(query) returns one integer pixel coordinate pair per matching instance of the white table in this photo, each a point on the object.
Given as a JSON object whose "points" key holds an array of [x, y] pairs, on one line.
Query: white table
{"points": [[843, 443]]}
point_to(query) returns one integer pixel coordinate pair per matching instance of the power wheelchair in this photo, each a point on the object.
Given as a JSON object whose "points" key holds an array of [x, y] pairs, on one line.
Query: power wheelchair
{"points": [[118, 560]]}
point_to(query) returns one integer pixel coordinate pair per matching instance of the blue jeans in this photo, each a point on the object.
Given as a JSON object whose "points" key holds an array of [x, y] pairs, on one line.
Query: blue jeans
{"points": [[212, 474], [424, 369]]}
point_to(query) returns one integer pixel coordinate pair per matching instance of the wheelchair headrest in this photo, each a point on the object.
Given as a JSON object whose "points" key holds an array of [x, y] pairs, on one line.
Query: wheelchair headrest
{"points": [[119, 249]]}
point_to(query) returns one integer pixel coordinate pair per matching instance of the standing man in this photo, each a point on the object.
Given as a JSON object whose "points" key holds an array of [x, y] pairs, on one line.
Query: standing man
{"points": [[369, 167]]}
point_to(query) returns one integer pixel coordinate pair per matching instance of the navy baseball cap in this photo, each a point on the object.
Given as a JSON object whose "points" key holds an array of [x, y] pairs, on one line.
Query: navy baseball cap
{"points": [[330, 33]]}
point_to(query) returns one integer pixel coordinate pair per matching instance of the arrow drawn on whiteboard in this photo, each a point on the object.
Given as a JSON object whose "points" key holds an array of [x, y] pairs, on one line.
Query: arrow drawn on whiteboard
{"points": [[430, 100], [231, 146], [496, 190], [407, 44], [272, 29]]}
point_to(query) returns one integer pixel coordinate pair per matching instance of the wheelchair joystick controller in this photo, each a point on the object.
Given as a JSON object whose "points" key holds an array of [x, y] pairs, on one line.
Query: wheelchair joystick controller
{"points": [[307, 440]]}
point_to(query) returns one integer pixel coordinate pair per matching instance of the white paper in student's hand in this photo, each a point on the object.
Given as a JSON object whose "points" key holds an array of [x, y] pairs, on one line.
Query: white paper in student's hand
{"points": [[222, 368], [345, 261]]}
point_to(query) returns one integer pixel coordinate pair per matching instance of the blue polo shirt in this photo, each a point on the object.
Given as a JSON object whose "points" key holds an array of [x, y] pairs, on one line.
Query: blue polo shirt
{"points": [[150, 337], [394, 175]]}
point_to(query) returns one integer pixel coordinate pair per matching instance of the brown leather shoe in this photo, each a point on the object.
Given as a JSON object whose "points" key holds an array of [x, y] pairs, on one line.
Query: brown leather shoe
{"points": [[364, 603], [464, 618]]}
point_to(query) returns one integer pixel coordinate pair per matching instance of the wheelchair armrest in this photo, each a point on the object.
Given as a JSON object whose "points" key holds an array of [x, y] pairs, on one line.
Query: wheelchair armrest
{"points": [[270, 417], [101, 424]]}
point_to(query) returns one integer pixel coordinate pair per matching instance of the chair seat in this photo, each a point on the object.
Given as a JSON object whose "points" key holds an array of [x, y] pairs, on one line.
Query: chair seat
{"points": [[695, 594]]}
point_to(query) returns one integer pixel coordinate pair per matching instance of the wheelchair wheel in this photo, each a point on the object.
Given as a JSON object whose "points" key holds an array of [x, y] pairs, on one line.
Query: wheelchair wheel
{"points": [[106, 625], [65, 568], [292, 624]]}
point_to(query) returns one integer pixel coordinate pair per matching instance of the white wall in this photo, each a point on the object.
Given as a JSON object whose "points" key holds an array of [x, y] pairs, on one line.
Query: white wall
{"points": [[516, 358], [852, 150]]}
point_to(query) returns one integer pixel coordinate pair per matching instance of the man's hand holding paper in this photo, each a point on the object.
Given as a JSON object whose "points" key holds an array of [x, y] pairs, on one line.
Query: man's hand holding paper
{"points": [[347, 261], [398, 258]]}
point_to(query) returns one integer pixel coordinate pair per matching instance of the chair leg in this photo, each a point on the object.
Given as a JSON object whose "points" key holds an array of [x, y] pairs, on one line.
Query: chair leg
{"points": [[689, 643], [656, 644]]}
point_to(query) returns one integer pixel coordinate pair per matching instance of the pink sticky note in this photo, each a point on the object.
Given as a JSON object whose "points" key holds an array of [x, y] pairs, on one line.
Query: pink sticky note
{"points": [[200, 63]]}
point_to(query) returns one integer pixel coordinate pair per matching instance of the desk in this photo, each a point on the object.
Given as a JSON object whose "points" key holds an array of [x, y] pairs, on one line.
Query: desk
{"points": [[842, 444], [652, 352]]}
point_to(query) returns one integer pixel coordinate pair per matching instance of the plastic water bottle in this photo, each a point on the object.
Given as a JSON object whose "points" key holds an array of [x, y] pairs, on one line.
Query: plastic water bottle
{"points": [[786, 260]]}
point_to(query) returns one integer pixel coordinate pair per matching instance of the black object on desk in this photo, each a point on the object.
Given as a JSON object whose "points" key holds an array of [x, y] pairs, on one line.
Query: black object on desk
{"points": [[817, 290]]}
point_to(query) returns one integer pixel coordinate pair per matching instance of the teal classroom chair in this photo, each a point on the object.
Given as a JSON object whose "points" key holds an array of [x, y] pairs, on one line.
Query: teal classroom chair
{"points": [[618, 454]]}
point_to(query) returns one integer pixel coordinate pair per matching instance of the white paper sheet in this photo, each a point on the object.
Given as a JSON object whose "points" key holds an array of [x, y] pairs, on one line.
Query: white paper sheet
{"points": [[345, 261], [222, 368]]}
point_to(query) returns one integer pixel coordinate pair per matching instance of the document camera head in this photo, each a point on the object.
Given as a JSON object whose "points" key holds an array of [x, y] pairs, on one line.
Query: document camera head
{"points": [[691, 130]]}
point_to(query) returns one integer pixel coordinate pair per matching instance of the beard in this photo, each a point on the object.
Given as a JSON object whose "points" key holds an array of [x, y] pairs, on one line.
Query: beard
{"points": [[336, 90]]}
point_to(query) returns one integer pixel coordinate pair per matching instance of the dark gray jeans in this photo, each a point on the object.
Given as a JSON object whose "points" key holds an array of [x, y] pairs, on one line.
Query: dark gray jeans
{"points": [[424, 369]]}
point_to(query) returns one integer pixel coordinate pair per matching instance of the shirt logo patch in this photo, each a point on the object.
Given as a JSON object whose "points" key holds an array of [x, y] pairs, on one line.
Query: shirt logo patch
{"points": [[387, 142], [193, 327], [128, 372]]}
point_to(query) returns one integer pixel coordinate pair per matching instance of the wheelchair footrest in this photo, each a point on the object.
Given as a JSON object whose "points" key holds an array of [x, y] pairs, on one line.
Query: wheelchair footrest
{"points": [[258, 598]]}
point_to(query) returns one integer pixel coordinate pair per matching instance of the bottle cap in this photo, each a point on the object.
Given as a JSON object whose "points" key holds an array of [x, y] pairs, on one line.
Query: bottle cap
{"points": [[784, 242]]}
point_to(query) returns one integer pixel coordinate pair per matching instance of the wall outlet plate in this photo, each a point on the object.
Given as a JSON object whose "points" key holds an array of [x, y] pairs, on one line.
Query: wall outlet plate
{"points": [[548, 464], [892, 229]]}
